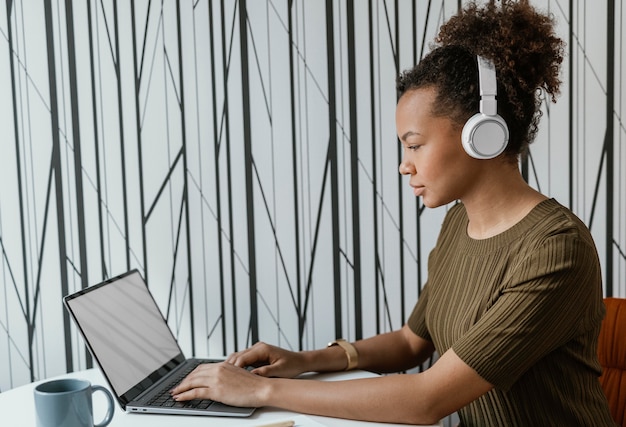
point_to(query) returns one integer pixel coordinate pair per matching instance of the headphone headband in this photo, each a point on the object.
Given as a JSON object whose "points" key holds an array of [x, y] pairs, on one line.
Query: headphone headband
{"points": [[488, 86], [485, 135]]}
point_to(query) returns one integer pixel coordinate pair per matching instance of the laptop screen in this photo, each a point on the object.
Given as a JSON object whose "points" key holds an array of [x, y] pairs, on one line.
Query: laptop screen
{"points": [[125, 330]]}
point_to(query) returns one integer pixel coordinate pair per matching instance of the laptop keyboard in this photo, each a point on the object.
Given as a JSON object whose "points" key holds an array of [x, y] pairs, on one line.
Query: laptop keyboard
{"points": [[164, 398]]}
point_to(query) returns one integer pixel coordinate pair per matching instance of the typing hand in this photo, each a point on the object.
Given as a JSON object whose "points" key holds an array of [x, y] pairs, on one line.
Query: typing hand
{"points": [[269, 361], [222, 382]]}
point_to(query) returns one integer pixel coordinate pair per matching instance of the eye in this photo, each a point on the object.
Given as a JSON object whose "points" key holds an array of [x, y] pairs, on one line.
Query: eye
{"points": [[413, 147]]}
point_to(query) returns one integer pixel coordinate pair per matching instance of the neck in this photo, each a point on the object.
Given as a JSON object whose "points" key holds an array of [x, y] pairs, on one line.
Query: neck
{"points": [[499, 202]]}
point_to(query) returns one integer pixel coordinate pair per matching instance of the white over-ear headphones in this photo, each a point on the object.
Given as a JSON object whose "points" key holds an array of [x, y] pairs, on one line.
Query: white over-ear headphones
{"points": [[485, 135]]}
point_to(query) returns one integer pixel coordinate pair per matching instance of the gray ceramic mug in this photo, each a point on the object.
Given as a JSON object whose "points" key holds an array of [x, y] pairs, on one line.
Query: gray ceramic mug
{"points": [[67, 403]]}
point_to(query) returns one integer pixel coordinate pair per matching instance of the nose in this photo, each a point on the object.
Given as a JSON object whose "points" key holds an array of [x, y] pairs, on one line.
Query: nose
{"points": [[405, 168]]}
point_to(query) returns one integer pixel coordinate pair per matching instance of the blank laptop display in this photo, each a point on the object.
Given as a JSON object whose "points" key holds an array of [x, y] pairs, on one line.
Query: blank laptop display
{"points": [[135, 348]]}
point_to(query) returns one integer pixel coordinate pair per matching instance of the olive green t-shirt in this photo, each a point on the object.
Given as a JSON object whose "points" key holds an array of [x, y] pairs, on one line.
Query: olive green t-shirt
{"points": [[523, 309]]}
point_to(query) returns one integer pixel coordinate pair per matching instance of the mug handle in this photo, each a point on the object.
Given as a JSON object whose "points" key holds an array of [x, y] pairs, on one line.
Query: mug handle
{"points": [[109, 415]]}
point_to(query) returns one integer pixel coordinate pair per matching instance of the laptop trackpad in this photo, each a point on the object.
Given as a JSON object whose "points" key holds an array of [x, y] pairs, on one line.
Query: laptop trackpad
{"points": [[220, 407]]}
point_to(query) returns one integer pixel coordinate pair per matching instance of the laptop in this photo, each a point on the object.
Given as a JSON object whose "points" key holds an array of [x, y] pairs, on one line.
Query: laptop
{"points": [[135, 349]]}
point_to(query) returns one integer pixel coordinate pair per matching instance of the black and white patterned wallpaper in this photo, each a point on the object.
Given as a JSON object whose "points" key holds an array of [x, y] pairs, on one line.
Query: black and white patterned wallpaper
{"points": [[242, 155]]}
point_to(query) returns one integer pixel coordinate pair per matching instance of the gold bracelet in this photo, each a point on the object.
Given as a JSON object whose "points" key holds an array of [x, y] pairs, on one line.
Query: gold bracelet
{"points": [[351, 353]]}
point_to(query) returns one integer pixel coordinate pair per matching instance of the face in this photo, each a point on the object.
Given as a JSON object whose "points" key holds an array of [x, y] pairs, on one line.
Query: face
{"points": [[440, 171]]}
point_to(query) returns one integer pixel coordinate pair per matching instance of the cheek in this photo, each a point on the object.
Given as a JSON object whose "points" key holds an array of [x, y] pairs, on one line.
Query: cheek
{"points": [[427, 170], [445, 173], [433, 165]]}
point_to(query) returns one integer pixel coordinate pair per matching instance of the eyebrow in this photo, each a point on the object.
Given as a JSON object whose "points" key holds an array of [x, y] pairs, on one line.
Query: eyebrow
{"points": [[407, 134]]}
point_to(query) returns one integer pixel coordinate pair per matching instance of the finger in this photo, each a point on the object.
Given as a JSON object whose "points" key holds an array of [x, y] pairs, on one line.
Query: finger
{"points": [[272, 370], [193, 380], [237, 360], [180, 388], [232, 358], [203, 370], [194, 393], [248, 358], [263, 371]]}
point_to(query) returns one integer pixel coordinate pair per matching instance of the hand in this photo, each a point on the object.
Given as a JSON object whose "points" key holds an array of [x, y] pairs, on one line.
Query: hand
{"points": [[222, 382], [269, 361]]}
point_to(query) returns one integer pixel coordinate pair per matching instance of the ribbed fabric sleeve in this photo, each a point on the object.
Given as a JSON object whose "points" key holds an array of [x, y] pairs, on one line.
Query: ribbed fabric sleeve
{"points": [[523, 309]]}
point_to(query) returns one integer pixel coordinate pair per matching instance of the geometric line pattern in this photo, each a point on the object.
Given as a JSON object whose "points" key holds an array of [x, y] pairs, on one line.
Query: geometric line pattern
{"points": [[242, 155]]}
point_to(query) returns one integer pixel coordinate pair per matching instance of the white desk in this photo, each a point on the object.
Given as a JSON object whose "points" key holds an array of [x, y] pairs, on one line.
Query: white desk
{"points": [[17, 409]]}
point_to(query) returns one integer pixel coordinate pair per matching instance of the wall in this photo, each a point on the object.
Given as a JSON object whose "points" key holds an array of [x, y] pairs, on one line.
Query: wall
{"points": [[243, 156]]}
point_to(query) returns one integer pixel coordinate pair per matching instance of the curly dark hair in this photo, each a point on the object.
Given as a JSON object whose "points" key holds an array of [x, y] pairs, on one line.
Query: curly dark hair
{"points": [[526, 53]]}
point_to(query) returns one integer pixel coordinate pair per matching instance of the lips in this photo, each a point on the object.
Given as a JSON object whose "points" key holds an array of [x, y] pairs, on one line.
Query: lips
{"points": [[418, 190]]}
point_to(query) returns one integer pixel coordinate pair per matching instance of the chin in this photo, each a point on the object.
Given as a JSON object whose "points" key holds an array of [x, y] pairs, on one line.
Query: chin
{"points": [[430, 204], [434, 203]]}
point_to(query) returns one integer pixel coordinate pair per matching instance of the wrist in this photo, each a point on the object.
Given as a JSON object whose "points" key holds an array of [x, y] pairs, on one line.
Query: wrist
{"points": [[351, 354], [318, 361], [267, 392]]}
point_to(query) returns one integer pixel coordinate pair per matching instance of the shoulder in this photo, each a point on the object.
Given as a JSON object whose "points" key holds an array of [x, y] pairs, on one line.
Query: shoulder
{"points": [[455, 218], [555, 250], [552, 222], [454, 226]]}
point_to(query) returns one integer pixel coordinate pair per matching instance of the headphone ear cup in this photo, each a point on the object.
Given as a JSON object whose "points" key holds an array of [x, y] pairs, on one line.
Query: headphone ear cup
{"points": [[485, 137]]}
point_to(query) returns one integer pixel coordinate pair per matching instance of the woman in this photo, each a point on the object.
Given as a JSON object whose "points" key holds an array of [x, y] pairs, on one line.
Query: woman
{"points": [[513, 302]]}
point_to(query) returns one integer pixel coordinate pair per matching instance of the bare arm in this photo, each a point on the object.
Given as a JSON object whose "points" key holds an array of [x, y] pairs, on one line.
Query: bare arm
{"points": [[393, 352], [422, 398], [390, 352]]}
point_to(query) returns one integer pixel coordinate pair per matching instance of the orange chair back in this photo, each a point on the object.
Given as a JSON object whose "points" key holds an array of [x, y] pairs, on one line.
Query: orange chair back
{"points": [[612, 355]]}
